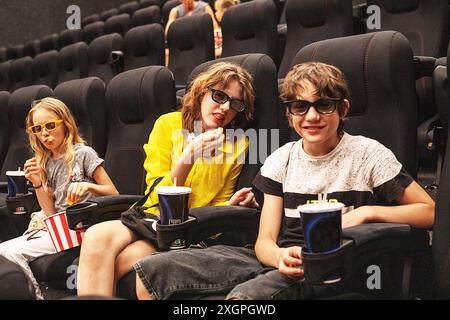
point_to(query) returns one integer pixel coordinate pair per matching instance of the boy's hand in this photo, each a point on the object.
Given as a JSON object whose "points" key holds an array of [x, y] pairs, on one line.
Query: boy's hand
{"points": [[357, 216], [290, 262]]}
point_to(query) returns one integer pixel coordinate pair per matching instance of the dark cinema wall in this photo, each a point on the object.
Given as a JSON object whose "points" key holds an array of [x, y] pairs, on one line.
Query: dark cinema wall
{"points": [[23, 20]]}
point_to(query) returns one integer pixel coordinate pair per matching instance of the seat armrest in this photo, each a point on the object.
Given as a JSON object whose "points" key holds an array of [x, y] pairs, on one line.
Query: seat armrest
{"points": [[237, 226], [360, 245], [116, 61], [3, 187], [424, 66], [98, 209]]}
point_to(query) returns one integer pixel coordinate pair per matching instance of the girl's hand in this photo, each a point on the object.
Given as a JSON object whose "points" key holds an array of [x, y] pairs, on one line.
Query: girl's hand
{"points": [[290, 262], [75, 191], [203, 145], [32, 172], [244, 197]]}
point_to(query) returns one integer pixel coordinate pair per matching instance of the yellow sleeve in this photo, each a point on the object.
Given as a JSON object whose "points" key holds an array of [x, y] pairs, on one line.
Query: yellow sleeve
{"points": [[158, 159], [223, 197]]}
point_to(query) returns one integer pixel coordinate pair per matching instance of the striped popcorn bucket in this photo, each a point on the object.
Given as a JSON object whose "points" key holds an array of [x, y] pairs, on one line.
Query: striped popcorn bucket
{"points": [[62, 237]]}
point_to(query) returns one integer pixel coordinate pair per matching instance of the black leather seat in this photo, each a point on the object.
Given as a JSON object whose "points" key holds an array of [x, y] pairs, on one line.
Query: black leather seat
{"points": [[4, 75], [86, 99], [263, 70], [2, 54], [129, 7], [90, 19], [45, 68], [92, 31], [144, 46], [120, 24], [191, 42], [4, 125], [104, 15], [147, 15], [380, 72], [32, 48], [20, 73], [309, 21], [73, 62], [19, 104], [101, 62], [250, 27], [68, 37], [50, 42]]}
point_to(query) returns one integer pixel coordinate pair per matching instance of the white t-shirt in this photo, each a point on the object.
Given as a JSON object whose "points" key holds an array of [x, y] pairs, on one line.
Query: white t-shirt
{"points": [[359, 171]]}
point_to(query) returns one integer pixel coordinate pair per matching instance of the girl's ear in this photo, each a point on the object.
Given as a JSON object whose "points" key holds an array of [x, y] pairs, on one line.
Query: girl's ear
{"points": [[346, 105]]}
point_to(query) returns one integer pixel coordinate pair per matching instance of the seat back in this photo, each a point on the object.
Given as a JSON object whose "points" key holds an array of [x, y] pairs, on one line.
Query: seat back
{"points": [[314, 20], [45, 68], [264, 126], [90, 19], [49, 42], [73, 62], [20, 73], [129, 7], [68, 37], [120, 24], [86, 99], [191, 42], [100, 56], [380, 73], [32, 48], [250, 27], [92, 31], [134, 99], [149, 3], [4, 124], [166, 7], [104, 15], [147, 15], [441, 233], [144, 46], [423, 22], [4, 75], [2, 54], [19, 104]]}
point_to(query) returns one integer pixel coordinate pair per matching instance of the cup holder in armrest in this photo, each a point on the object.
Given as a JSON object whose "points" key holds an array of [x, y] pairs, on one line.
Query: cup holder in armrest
{"points": [[23, 204], [79, 216], [166, 234]]}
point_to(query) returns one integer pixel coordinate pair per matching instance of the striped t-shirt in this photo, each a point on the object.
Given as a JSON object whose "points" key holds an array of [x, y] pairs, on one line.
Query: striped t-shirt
{"points": [[359, 171]]}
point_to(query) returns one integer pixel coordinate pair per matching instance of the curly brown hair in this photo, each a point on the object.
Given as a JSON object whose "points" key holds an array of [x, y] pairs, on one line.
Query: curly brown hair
{"points": [[328, 80], [219, 76]]}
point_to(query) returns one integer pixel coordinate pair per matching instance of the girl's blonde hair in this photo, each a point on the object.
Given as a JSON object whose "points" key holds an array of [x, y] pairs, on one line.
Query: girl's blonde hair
{"points": [[218, 76], [71, 135]]}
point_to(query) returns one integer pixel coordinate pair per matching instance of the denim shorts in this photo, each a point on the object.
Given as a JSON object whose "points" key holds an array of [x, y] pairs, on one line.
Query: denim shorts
{"points": [[234, 272]]}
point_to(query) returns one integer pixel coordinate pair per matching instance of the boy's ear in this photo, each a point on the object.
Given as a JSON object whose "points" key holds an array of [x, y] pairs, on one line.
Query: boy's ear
{"points": [[346, 105]]}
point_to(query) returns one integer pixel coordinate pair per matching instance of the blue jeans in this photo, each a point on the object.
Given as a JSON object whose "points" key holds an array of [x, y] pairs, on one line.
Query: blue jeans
{"points": [[231, 271]]}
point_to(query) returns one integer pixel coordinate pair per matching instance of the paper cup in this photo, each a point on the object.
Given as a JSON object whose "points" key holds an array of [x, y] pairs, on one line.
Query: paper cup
{"points": [[17, 184]]}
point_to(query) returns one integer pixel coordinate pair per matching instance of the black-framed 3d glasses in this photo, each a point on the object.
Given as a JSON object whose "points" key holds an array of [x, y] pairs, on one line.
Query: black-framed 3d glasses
{"points": [[222, 98], [322, 106]]}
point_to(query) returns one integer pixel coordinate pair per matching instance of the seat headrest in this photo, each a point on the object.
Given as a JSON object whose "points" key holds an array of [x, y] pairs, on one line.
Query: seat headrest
{"points": [[400, 6], [358, 57], [68, 36], [101, 47], [82, 96], [50, 42], [19, 68], [309, 13], [147, 15], [242, 20], [20, 101], [131, 101], [92, 31], [139, 41], [44, 63], [69, 57], [184, 32], [118, 24]]}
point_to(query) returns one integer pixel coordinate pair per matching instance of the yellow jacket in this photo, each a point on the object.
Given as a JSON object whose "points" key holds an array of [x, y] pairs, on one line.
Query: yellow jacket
{"points": [[212, 183]]}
